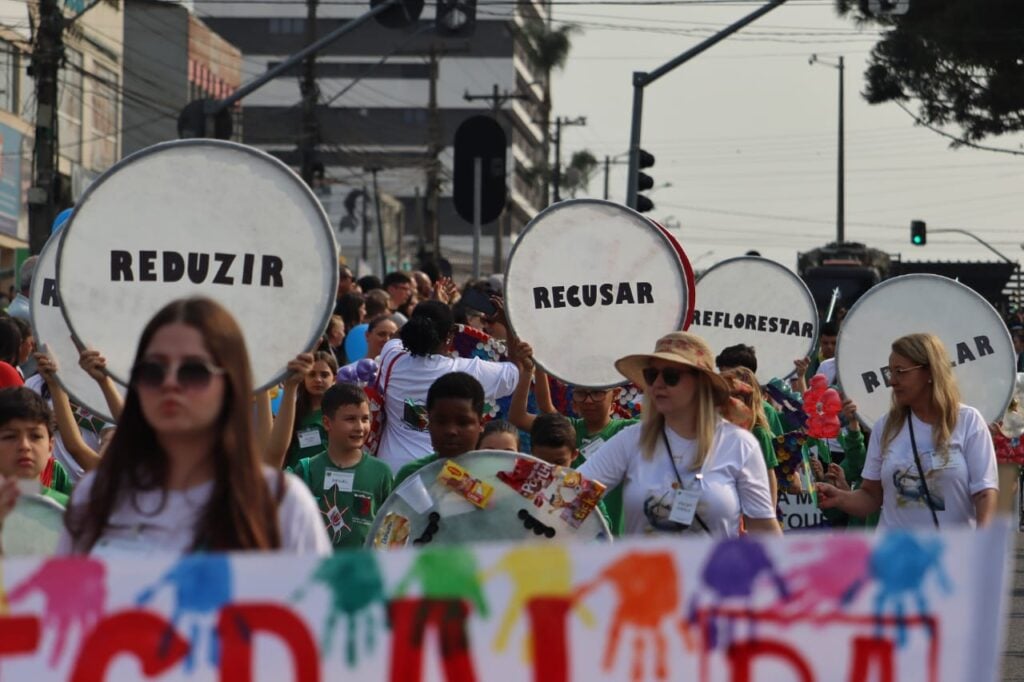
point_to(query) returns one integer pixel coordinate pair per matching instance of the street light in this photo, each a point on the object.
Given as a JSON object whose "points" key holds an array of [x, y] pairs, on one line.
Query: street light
{"points": [[841, 179]]}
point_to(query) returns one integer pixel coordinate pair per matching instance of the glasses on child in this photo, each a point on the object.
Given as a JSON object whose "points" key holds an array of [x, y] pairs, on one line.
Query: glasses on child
{"points": [[671, 375], [189, 374], [584, 396]]}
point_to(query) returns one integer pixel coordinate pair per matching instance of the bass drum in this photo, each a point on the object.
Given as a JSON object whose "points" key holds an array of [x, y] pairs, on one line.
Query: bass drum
{"points": [[496, 496], [33, 527]]}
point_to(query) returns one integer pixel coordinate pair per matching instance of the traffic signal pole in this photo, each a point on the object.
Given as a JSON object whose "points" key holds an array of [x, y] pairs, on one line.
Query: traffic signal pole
{"points": [[641, 79]]}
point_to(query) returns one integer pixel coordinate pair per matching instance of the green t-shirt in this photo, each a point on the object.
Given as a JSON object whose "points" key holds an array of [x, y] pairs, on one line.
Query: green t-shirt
{"points": [[587, 444], [767, 442], [774, 421], [55, 495], [348, 497], [853, 464], [414, 466], [61, 481], [309, 439]]}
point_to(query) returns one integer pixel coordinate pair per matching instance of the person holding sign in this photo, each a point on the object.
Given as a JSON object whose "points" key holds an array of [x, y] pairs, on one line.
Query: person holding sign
{"points": [[930, 460], [414, 362], [183, 472], [298, 430], [684, 467]]}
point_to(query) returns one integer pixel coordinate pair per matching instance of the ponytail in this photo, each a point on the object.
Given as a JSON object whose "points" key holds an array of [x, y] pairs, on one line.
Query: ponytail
{"points": [[428, 328]]}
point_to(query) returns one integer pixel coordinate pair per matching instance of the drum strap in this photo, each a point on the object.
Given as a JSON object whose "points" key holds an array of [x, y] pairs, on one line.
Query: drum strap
{"points": [[920, 470]]}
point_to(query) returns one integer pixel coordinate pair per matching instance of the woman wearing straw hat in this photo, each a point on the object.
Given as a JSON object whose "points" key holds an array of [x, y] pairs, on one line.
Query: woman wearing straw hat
{"points": [[684, 466]]}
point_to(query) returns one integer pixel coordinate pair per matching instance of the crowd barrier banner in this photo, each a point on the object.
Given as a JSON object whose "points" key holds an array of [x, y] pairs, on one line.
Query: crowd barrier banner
{"points": [[974, 334], [847, 607], [51, 330], [591, 281], [199, 218], [758, 302]]}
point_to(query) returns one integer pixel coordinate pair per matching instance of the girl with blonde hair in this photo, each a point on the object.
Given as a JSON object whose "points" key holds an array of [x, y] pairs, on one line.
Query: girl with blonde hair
{"points": [[930, 460], [684, 466]]}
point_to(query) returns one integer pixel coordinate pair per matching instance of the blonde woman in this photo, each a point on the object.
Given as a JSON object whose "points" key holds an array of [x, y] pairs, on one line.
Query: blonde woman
{"points": [[930, 460], [744, 388], [683, 467]]}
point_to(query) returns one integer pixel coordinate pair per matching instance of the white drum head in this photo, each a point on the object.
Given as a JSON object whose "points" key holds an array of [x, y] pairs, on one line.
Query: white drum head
{"points": [[589, 282], [199, 218], [402, 520], [51, 330], [974, 334], [33, 527], [760, 303]]}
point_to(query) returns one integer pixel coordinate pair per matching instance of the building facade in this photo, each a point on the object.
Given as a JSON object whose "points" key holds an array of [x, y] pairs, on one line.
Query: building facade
{"points": [[391, 100]]}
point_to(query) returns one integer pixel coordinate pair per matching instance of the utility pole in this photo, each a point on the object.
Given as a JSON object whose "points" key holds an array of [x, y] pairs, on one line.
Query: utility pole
{"points": [[309, 135], [47, 56], [556, 178], [841, 151], [497, 99], [380, 225], [366, 228], [434, 147]]}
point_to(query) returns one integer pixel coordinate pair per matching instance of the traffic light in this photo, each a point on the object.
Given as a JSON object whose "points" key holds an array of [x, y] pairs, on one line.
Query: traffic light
{"points": [[455, 17], [644, 182], [918, 232]]}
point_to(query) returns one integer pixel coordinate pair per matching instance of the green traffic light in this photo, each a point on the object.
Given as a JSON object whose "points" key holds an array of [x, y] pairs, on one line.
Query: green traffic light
{"points": [[917, 239]]}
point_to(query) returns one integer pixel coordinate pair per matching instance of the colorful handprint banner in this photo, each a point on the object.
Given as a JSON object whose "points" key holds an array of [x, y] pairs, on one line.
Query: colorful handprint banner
{"points": [[847, 607]]}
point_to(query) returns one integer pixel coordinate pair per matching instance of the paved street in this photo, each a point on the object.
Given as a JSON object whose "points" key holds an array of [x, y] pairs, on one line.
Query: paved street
{"points": [[1013, 661]]}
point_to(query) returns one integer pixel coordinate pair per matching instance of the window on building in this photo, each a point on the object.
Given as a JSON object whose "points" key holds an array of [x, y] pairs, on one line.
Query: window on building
{"points": [[69, 112], [103, 105], [8, 76], [286, 26]]}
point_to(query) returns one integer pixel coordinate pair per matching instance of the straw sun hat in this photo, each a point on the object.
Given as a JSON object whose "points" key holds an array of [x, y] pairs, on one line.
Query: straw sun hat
{"points": [[681, 348]]}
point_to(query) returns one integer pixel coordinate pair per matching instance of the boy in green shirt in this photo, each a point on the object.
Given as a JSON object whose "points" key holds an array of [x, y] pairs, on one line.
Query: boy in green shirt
{"points": [[455, 413], [349, 485], [26, 443]]}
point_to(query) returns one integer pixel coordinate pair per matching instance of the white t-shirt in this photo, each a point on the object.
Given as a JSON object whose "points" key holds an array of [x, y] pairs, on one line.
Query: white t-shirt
{"points": [[60, 452], [171, 529], [411, 377], [828, 368], [735, 479], [968, 468]]}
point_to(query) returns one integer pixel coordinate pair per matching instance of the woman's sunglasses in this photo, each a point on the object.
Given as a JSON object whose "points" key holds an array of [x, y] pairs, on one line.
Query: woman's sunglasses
{"points": [[190, 374], [671, 375]]}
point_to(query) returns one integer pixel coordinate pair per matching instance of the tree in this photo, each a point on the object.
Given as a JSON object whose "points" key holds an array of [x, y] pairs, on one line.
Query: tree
{"points": [[549, 50], [579, 172], [962, 61]]}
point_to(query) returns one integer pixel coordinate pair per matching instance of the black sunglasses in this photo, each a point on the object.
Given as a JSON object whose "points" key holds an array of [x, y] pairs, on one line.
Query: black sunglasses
{"points": [[671, 375], [538, 528], [189, 374], [428, 533]]}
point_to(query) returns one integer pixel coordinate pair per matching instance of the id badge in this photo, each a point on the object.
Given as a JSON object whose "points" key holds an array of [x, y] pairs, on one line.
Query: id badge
{"points": [[940, 461], [591, 447], [342, 480], [310, 438], [684, 507]]}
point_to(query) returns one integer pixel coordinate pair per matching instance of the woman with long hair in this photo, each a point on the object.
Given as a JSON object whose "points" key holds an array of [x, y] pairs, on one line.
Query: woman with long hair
{"points": [[684, 467], [299, 429], [930, 460], [182, 472], [411, 364]]}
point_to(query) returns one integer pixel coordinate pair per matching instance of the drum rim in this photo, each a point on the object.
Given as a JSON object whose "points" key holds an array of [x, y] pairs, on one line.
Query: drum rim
{"points": [[54, 242], [288, 173], [657, 229], [691, 281], [803, 285], [919, 276]]}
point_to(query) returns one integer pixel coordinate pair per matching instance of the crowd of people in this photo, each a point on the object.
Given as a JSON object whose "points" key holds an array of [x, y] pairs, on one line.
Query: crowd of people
{"points": [[196, 461]]}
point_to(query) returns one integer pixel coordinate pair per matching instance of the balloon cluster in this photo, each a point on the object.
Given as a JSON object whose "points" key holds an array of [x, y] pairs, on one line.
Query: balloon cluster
{"points": [[362, 372], [822, 405]]}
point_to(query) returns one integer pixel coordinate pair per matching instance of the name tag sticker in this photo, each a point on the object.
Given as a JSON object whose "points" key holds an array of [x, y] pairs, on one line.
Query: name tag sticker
{"points": [[685, 506], [342, 480], [591, 447], [310, 438]]}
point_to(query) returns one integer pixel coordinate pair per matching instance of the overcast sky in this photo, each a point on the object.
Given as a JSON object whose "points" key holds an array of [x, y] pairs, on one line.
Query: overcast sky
{"points": [[746, 135]]}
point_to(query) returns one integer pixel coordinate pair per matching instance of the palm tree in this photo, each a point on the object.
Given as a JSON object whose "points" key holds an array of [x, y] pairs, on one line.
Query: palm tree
{"points": [[549, 48]]}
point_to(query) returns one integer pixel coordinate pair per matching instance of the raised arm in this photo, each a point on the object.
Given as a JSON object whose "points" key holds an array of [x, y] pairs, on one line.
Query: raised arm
{"points": [[284, 425], [518, 414], [86, 457], [95, 365]]}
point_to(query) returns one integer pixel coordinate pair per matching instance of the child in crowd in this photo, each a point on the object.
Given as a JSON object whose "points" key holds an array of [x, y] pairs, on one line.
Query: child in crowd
{"points": [[26, 443], [455, 412], [348, 484], [499, 435], [746, 390], [554, 440], [298, 430]]}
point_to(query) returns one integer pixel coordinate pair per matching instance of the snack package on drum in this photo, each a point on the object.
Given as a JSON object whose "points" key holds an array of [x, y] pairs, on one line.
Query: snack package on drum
{"points": [[588, 494], [393, 532], [529, 477], [461, 481]]}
